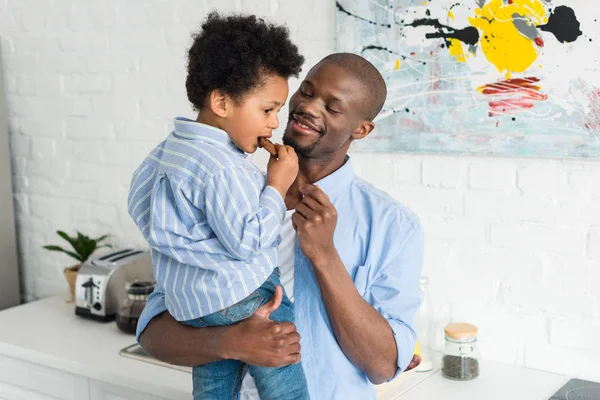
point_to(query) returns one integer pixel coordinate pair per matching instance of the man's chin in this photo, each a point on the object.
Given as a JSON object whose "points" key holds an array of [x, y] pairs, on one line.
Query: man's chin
{"points": [[301, 149]]}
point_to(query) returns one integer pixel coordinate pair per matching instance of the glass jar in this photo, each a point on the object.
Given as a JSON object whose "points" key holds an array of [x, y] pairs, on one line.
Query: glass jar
{"points": [[461, 355], [424, 328], [131, 309]]}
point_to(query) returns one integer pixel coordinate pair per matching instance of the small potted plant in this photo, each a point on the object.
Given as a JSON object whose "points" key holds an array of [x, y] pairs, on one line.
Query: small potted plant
{"points": [[83, 247]]}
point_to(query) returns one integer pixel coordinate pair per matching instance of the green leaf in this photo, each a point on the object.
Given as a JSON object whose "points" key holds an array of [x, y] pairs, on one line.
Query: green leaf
{"points": [[58, 248], [68, 238], [83, 245], [52, 247], [90, 247], [101, 238]]}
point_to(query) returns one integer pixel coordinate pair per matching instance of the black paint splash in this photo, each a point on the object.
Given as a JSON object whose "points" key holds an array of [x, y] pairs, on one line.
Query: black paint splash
{"points": [[373, 47], [469, 35], [563, 24], [342, 9]]}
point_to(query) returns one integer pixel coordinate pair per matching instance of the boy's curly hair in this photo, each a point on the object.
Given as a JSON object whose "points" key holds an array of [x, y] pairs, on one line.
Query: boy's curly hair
{"points": [[235, 53]]}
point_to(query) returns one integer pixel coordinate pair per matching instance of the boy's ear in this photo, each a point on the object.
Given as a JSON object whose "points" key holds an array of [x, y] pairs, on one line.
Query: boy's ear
{"points": [[219, 103], [363, 130]]}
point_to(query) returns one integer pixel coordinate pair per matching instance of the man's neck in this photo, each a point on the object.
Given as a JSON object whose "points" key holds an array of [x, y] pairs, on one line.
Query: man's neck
{"points": [[311, 171]]}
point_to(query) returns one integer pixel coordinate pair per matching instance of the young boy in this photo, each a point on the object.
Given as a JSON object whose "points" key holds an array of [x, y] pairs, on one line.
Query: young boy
{"points": [[210, 218]]}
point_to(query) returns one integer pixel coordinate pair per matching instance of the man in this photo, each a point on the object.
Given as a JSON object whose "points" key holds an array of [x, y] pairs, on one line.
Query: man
{"points": [[356, 265]]}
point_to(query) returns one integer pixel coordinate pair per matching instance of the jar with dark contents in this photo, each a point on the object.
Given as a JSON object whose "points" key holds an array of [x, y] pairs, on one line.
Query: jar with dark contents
{"points": [[461, 355], [131, 309]]}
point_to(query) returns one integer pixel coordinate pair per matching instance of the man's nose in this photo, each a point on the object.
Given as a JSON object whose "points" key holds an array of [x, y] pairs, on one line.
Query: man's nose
{"points": [[311, 108]]}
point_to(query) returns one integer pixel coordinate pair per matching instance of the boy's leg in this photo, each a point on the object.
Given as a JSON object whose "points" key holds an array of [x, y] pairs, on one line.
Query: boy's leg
{"points": [[220, 379], [286, 382]]}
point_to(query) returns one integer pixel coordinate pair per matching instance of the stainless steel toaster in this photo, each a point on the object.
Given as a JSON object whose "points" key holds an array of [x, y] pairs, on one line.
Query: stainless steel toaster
{"points": [[100, 287]]}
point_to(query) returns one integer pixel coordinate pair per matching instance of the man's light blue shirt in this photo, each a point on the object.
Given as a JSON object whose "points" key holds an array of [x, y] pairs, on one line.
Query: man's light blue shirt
{"points": [[212, 225], [381, 245]]}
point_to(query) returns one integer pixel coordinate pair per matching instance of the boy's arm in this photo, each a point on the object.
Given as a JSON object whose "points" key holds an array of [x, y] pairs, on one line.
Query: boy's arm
{"points": [[245, 218], [256, 340]]}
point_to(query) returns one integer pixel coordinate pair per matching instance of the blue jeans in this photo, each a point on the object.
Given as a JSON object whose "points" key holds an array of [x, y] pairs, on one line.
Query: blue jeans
{"points": [[223, 379]]}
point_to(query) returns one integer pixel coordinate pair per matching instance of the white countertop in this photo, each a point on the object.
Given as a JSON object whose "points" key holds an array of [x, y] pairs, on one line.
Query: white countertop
{"points": [[48, 333], [495, 382]]}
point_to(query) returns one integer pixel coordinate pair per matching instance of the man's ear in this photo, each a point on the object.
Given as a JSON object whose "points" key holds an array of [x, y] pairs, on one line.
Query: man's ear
{"points": [[219, 103], [363, 130]]}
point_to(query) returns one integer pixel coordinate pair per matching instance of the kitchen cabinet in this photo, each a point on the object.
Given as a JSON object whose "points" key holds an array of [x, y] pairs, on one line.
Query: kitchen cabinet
{"points": [[10, 392], [25, 380], [105, 391]]}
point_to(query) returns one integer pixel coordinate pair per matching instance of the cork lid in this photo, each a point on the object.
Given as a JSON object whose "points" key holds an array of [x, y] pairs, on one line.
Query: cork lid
{"points": [[460, 331]]}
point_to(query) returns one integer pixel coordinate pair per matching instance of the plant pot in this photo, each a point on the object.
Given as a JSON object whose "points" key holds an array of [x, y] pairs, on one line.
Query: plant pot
{"points": [[71, 275]]}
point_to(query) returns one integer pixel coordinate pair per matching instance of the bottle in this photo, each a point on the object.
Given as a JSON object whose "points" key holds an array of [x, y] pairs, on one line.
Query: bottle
{"points": [[424, 328], [461, 355]]}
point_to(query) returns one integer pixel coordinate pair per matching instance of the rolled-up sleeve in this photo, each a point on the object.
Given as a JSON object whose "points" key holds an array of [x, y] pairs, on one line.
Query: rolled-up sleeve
{"points": [[155, 306], [394, 291]]}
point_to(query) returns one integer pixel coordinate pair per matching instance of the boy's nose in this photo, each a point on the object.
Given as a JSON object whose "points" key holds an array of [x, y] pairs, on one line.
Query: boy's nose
{"points": [[274, 122]]}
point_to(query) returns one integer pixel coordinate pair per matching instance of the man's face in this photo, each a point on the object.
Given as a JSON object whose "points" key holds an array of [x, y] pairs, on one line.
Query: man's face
{"points": [[324, 112]]}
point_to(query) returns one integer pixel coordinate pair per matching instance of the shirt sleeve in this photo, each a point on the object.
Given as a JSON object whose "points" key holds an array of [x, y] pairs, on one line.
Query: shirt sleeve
{"points": [[245, 217], [156, 305], [395, 291]]}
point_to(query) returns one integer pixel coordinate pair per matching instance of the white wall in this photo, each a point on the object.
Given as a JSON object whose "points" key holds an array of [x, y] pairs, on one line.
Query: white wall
{"points": [[513, 245]]}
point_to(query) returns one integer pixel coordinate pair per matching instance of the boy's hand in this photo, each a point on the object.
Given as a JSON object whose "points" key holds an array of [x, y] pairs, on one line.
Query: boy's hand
{"points": [[282, 171]]}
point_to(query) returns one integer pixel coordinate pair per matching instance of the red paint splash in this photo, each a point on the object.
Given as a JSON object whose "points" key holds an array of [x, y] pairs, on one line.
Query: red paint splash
{"points": [[539, 41], [512, 95], [592, 118], [434, 73]]}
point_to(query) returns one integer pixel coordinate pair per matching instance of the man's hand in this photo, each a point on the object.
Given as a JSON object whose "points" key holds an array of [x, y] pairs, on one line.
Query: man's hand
{"points": [[414, 363], [259, 341], [315, 220]]}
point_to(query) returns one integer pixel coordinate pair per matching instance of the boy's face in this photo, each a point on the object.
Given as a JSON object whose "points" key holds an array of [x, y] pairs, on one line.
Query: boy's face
{"points": [[256, 115], [326, 112]]}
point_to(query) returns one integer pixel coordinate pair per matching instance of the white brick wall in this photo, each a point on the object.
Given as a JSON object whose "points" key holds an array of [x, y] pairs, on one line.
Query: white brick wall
{"points": [[513, 245]]}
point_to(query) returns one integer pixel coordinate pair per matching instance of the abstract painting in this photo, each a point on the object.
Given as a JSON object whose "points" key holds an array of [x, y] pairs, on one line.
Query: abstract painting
{"points": [[497, 77]]}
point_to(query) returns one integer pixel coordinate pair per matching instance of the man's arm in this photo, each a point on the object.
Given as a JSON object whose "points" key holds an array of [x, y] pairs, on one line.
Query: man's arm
{"points": [[256, 340], [364, 335], [370, 337]]}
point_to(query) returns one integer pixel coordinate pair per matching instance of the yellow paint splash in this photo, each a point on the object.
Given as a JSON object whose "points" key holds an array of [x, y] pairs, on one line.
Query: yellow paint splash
{"points": [[456, 50], [503, 45], [451, 15], [397, 65]]}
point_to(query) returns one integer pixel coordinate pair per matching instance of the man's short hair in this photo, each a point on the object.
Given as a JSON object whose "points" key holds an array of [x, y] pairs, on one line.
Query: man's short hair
{"points": [[366, 73]]}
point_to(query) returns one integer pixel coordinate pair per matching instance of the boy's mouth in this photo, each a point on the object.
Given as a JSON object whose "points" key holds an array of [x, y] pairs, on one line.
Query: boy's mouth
{"points": [[267, 145]]}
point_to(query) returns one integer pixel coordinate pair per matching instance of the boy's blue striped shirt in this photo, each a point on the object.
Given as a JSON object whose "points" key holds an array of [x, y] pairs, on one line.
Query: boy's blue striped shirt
{"points": [[212, 225]]}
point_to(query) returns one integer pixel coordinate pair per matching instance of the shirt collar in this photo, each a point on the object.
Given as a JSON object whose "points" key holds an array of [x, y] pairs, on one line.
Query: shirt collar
{"points": [[335, 182], [188, 129]]}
